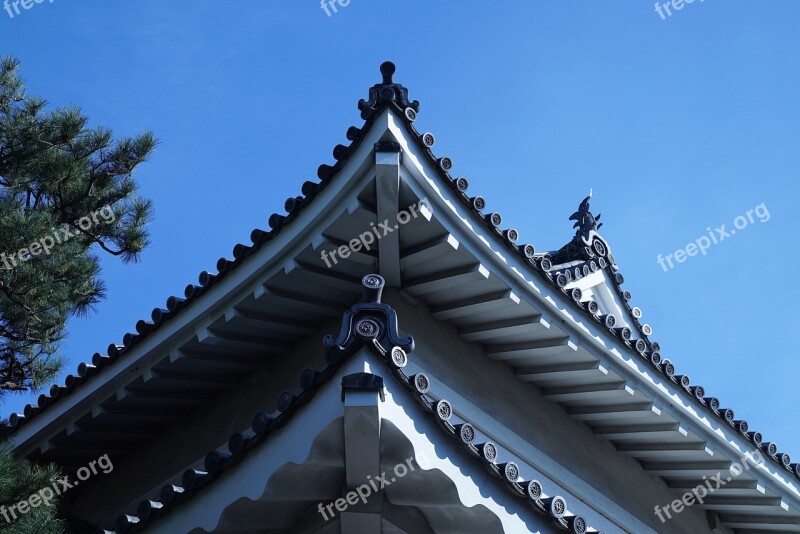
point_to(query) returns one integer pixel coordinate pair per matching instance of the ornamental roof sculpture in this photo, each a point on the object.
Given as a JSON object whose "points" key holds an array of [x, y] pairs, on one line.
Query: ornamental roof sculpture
{"points": [[386, 92], [585, 222], [587, 243]]}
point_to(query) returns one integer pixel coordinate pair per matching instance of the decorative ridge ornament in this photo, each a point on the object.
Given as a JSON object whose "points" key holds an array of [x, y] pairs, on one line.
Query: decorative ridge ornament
{"points": [[388, 92], [369, 323], [587, 243], [585, 222]]}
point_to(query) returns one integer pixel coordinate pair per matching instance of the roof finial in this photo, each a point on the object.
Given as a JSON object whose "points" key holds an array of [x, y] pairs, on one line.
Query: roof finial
{"points": [[387, 93], [585, 222], [387, 69]]}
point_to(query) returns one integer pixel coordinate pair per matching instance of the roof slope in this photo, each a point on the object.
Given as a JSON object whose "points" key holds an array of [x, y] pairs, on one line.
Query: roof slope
{"points": [[585, 254]]}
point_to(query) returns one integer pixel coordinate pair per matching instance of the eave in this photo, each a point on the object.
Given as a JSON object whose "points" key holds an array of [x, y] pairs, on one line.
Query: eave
{"points": [[574, 359], [260, 281]]}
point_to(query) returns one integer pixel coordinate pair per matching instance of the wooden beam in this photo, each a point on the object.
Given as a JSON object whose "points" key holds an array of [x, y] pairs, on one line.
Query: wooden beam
{"points": [[427, 251], [533, 349], [326, 276], [447, 279], [263, 321], [472, 305], [507, 327], [613, 412], [561, 371], [639, 432], [298, 301], [387, 187], [588, 392]]}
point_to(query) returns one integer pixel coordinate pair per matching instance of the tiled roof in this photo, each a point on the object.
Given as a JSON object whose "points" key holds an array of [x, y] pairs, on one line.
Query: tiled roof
{"points": [[586, 253], [206, 280], [576, 259], [579, 261], [239, 444], [373, 325]]}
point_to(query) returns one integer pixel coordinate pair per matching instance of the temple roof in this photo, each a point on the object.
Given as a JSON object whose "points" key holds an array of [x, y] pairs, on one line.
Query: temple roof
{"points": [[587, 252], [566, 269]]}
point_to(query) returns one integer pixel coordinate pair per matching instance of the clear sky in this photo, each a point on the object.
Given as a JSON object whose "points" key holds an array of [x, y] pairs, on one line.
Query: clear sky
{"points": [[678, 124]]}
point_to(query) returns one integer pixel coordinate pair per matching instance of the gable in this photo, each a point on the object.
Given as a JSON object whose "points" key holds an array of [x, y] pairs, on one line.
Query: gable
{"points": [[456, 259]]}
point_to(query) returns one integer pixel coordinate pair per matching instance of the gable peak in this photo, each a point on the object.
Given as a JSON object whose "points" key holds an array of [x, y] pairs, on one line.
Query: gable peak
{"points": [[388, 93]]}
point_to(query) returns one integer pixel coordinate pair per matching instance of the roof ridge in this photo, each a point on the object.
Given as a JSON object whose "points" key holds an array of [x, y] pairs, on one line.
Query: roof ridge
{"points": [[596, 255]]}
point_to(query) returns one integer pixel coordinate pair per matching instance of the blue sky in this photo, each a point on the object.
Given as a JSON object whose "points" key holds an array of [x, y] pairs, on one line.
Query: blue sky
{"points": [[677, 125]]}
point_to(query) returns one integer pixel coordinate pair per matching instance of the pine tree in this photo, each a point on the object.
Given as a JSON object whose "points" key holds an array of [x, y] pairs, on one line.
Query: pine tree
{"points": [[66, 190], [18, 481]]}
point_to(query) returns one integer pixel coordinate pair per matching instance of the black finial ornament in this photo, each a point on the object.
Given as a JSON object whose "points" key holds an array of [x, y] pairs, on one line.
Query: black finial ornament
{"points": [[388, 93], [586, 244], [585, 222], [371, 324], [387, 69]]}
